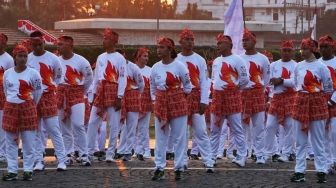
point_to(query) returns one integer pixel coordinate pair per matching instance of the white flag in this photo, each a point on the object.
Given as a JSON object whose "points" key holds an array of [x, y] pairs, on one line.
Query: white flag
{"points": [[234, 25], [313, 33]]}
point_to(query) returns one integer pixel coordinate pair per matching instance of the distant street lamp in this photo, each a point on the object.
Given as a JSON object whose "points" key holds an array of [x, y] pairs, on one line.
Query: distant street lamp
{"points": [[158, 4]]}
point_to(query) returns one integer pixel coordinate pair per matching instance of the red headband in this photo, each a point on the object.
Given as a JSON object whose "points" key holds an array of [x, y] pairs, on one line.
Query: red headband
{"points": [[268, 54], [26, 43], [3, 38], [223, 38], [248, 35], [166, 42], [109, 34], [308, 43], [140, 52], [287, 44], [326, 40], [19, 48], [186, 33]]}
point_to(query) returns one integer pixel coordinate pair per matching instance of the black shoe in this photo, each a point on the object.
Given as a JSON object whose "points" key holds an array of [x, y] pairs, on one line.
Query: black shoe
{"points": [[193, 157], [97, 154], [140, 157], [170, 156], [158, 175], [127, 157], [210, 170], [10, 177], [321, 177], [178, 175], [298, 177], [76, 155], [292, 157], [275, 158], [254, 157], [118, 156], [27, 176]]}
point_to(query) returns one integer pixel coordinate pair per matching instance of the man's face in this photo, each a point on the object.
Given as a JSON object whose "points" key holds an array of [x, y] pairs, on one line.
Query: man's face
{"points": [[326, 50], [187, 43], [286, 54], [248, 44], [37, 45], [64, 47]]}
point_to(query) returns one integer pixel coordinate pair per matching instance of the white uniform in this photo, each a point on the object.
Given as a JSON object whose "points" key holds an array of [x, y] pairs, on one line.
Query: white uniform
{"points": [[233, 76], [12, 82], [258, 66], [142, 141], [108, 65], [178, 125], [49, 67], [135, 81], [284, 70], [6, 62], [76, 72], [317, 74], [197, 68], [331, 132]]}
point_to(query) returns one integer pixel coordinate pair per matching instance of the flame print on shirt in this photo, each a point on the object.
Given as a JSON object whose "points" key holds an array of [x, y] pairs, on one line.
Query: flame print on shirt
{"points": [[172, 82], [131, 84], [147, 82], [25, 91], [333, 76], [311, 83], [72, 76], [228, 74], [286, 75], [194, 74], [255, 74], [2, 71], [111, 73], [47, 76]]}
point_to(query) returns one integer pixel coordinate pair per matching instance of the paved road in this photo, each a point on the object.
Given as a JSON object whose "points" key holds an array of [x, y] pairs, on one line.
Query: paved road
{"points": [[137, 174]]}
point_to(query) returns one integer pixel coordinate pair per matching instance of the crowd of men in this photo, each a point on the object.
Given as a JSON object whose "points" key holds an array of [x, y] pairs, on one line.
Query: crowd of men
{"points": [[269, 111]]}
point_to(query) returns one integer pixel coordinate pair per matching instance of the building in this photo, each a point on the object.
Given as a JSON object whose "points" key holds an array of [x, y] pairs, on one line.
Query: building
{"points": [[299, 13]]}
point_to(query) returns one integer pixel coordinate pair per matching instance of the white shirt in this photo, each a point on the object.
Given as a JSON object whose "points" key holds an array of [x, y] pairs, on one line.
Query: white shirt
{"points": [[258, 66], [172, 76], [49, 67], [284, 70], [146, 72], [229, 73], [197, 68], [111, 67], [331, 64], [312, 77], [6, 62], [24, 86], [134, 78], [76, 71]]}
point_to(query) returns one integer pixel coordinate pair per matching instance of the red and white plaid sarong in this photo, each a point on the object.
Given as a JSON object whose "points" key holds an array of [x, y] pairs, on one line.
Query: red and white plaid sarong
{"points": [[20, 117], [225, 103], [331, 109], [130, 103], [193, 100], [170, 104], [47, 106], [68, 96], [309, 107], [106, 96], [87, 111], [2, 97], [253, 101], [282, 106], [145, 102]]}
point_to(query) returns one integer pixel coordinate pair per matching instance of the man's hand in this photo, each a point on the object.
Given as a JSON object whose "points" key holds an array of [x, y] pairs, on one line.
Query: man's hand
{"points": [[276, 81], [202, 108], [118, 104]]}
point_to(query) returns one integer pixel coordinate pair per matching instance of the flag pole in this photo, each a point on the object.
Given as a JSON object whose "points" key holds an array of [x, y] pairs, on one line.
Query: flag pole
{"points": [[243, 13]]}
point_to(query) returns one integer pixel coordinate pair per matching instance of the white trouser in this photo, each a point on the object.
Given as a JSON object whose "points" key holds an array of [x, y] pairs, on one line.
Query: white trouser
{"points": [[317, 134], [28, 149], [222, 139], [102, 136], [194, 146], [170, 146], [73, 129], [258, 132], [272, 127], [94, 123], [199, 131], [237, 131], [143, 134], [2, 138], [280, 139], [128, 132], [231, 145], [52, 127], [333, 138], [178, 129], [327, 147]]}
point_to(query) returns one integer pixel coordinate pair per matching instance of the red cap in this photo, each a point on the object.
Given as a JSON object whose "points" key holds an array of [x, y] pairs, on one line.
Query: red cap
{"points": [[308, 43], [186, 33], [109, 34], [287, 44], [326, 40], [19, 48], [268, 54], [223, 38], [166, 42], [249, 35]]}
